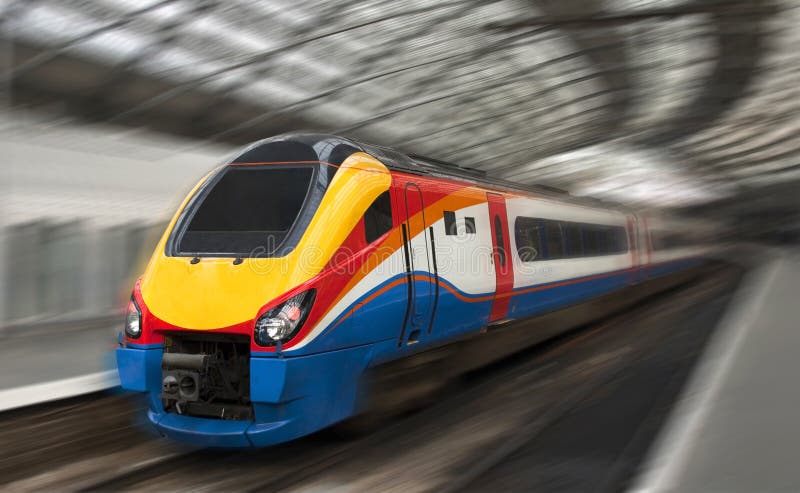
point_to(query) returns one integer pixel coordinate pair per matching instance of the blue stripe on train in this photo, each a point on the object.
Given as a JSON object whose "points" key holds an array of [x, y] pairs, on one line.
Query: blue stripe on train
{"points": [[382, 318]]}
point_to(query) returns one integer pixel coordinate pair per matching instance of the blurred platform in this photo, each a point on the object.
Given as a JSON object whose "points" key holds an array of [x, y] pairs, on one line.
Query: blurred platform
{"points": [[735, 428], [42, 366]]}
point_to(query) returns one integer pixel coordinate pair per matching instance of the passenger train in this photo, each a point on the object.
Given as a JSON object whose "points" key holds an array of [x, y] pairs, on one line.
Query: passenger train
{"points": [[313, 278]]}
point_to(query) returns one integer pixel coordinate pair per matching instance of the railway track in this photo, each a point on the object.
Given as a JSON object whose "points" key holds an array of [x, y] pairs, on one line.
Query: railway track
{"points": [[41, 439], [452, 445], [523, 435], [530, 444]]}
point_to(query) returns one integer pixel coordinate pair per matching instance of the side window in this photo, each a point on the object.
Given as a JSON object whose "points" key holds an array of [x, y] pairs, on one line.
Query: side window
{"points": [[614, 245], [450, 228], [589, 240], [605, 241], [378, 218], [451, 225], [622, 239], [469, 225], [574, 240], [555, 244], [528, 238], [616, 240], [498, 233], [565, 239]]}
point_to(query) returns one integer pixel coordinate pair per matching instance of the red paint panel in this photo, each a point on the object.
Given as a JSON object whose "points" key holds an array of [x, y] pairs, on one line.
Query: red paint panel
{"points": [[355, 242], [503, 264]]}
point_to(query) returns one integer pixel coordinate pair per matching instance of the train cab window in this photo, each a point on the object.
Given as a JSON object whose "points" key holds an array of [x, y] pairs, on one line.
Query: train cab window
{"points": [[555, 243], [246, 210], [378, 218], [528, 236]]}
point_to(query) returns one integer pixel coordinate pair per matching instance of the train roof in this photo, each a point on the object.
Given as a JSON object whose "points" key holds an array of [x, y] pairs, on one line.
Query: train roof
{"points": [[334, 149]]}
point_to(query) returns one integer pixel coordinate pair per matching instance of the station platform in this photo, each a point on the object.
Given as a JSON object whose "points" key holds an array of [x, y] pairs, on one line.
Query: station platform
{"points": [[46, 365], [735, 426]]}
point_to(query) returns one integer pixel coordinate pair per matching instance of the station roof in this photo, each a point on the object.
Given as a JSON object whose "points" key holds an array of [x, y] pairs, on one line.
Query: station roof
{"points": [[661, 102]]}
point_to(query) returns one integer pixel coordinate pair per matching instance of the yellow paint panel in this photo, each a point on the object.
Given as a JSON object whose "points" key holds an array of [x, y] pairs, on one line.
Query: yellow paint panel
{"points": [[214, 293]]}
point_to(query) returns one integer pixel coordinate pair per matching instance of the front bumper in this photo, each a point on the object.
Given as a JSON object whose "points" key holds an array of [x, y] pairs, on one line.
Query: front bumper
{"points": [[292, 396]]}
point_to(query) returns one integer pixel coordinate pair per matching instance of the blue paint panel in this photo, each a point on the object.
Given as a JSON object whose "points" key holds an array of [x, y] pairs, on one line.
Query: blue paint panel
{"points": [[267, 379], [455, 316], [318, 390], [203, 432], [139, 369], [276, 423], [276, 380], [387, 350], [420, 317]]}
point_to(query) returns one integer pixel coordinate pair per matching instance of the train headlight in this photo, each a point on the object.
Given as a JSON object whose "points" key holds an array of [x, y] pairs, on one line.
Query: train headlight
{"points": [[282, 322], [133, 320]]}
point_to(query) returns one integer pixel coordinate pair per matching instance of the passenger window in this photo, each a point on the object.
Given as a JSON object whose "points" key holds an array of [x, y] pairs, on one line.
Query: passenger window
{"points": [[622, 240], [555, 244], [498, 233], [604, 240], [614, 246], [527, 234], [378, 218], [574, 240], [565, 239], [589, 242]]}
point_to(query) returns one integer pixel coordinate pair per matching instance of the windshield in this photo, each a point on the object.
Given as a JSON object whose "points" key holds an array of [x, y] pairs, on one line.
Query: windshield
{"points": [[261, 203], [247, 211]]}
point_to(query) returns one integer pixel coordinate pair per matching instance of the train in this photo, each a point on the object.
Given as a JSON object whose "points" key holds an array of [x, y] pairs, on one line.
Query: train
{"points": [[313, 279]]}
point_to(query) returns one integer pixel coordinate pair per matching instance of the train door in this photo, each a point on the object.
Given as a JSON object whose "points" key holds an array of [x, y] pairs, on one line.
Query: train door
{"points": [[420, 268], [501, 257]]}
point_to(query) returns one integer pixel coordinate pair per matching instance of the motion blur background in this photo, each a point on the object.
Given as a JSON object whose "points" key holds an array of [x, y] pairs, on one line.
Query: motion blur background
{"points": [[111, 109]]}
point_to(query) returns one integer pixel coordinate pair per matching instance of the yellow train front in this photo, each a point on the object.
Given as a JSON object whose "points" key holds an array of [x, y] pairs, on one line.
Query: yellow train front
{"points": [[252, 262], [298, 281]]}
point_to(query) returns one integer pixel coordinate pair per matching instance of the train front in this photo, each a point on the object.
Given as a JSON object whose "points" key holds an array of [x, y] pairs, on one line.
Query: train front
{"points": [[218, 327]]}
